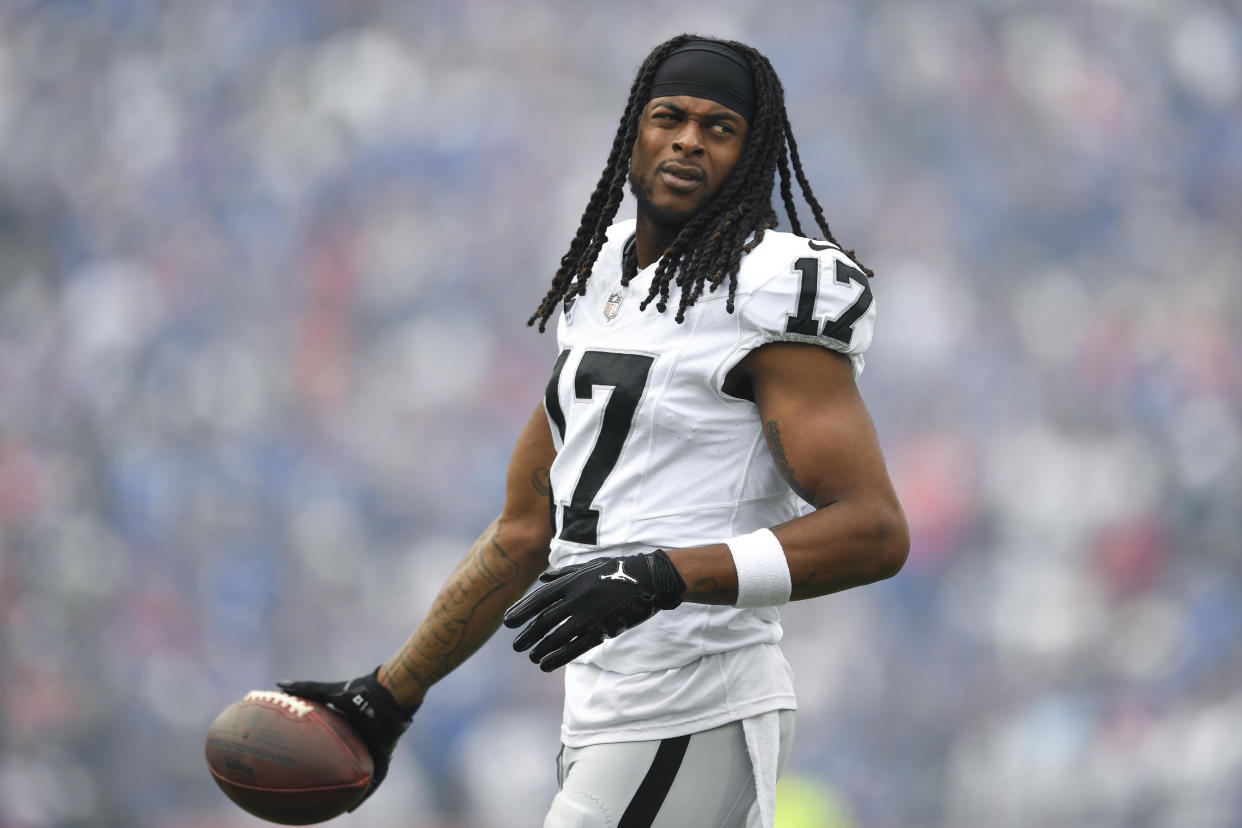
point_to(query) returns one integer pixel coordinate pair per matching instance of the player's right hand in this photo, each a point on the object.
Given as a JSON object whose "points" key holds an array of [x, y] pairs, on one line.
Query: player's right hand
{"points": [[578, 606], [369, 707]]}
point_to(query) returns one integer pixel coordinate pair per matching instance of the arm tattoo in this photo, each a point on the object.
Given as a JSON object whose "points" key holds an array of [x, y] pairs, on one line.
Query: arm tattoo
{"points": [[772, 432], [459, 620], [707, 590], [810, 582], [541, 482]]}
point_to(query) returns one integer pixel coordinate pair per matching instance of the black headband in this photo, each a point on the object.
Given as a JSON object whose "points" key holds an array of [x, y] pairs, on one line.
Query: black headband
{"points": [[706, 69]]}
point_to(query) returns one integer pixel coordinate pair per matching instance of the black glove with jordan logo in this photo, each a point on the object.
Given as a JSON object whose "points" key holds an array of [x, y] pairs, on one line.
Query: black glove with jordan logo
{"points": [[369, 707], [595, 600]]}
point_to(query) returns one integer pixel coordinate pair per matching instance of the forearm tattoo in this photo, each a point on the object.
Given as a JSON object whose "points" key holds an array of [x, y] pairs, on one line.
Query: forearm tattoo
{"points": [[459, 621], [709, 591], [772, 432], [805, 587]]}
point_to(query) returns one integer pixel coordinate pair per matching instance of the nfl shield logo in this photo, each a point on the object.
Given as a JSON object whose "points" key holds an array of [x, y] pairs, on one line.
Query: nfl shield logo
{"points": [[613, 305]]}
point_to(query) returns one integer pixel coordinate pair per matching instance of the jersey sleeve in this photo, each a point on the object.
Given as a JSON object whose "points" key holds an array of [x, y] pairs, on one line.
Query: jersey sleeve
{"points": [[813, 293]]}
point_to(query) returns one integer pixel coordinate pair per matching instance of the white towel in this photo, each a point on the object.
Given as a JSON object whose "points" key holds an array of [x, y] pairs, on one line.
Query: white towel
{"points": [[763, 743]]}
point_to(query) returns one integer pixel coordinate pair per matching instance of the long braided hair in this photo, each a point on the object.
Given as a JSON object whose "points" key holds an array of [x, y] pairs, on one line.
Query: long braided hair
{"points": [[709, 248]]}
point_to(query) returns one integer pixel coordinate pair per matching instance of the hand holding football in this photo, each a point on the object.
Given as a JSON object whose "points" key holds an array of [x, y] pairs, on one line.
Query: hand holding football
{"points": [[286, 759]]}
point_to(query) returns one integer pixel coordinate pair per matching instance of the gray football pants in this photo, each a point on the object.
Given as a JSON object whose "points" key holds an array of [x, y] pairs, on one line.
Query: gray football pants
{"points": [[703, 780]]}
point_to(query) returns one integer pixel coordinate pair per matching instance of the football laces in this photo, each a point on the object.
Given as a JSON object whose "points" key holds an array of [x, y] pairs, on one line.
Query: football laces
{"points": [[293, 704]]}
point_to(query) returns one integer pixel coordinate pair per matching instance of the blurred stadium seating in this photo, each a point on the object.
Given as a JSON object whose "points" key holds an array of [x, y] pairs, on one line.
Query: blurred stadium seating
{"points": [[264, 274]]}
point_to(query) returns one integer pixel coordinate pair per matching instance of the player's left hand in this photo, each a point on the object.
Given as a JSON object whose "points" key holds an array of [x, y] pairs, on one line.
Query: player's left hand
{"points": [[579, 606]]}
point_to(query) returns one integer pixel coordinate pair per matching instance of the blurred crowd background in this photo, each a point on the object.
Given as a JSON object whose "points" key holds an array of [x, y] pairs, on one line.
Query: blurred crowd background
{"points": [[264, 276]]}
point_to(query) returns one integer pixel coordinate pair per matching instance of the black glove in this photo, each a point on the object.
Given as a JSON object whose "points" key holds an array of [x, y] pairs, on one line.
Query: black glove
{"points": [[369, 707], [595, 600]]}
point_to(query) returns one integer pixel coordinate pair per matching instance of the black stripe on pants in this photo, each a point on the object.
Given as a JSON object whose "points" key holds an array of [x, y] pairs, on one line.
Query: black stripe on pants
{"points": [[655, 786]]}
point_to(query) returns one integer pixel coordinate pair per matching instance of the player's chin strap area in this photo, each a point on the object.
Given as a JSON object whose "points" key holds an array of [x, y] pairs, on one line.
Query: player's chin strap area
{"points": [[369, 708], [579, 606]]}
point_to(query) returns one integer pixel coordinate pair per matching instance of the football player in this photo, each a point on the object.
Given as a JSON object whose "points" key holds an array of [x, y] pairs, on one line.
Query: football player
{"points": [[704, 454]]}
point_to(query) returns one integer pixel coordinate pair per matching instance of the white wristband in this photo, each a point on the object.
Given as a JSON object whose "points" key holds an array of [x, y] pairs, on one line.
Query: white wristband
{"points": [[762, 570]]}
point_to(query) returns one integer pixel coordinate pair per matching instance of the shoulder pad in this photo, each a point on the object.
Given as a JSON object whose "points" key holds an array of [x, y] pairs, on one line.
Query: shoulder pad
{"points": [[807, 291]]}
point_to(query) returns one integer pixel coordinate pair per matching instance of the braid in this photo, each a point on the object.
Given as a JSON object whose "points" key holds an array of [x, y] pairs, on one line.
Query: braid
{"points": [[816, 210], [791, 209], [708, 250]]}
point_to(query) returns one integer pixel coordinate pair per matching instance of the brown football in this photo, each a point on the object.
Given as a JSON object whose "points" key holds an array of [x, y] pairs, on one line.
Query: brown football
{"points": [[286, 759]]}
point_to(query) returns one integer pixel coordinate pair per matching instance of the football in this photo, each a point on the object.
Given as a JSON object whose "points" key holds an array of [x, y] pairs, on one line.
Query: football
{"points": [[286, 759]]}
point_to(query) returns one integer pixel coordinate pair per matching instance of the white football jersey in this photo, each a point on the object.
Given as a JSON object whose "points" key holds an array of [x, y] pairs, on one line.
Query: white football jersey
{"points": [[651, 453]]}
